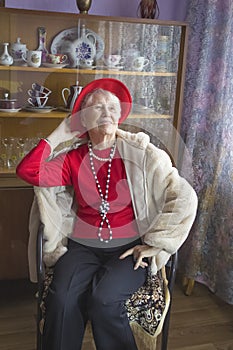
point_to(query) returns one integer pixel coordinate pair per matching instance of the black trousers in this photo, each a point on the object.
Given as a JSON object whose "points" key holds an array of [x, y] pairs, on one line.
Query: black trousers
{"points": [[91, 284]]}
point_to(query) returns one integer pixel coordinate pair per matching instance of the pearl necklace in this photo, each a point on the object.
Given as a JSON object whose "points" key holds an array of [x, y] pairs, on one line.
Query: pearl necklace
{"points": [[104, 206], [92, 154]]}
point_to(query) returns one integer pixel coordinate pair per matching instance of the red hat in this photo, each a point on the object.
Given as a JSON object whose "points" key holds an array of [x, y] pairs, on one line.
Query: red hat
{"points": [[114, 86]]}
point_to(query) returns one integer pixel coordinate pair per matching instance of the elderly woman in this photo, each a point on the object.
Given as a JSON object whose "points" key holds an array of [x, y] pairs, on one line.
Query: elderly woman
{"points": [[133, 211]]}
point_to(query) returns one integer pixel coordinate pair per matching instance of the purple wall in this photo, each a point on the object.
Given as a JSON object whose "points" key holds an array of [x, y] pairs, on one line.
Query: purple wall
{"points": [[169, 9]]}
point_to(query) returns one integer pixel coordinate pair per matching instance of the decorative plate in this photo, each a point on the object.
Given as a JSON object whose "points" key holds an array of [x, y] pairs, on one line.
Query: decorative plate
{"points": [[45, 109], [11, 110], [63, 41]]}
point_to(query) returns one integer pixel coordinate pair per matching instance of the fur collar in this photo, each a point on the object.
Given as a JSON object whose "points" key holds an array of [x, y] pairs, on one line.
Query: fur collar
{"points": [[139, 140]]}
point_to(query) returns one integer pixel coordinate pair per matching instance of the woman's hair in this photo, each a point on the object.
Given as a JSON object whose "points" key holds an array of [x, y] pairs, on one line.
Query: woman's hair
{"points": [[88, 99]]}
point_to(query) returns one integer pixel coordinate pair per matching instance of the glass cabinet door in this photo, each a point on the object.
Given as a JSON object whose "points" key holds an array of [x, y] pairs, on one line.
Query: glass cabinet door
{"points": [[147, 55]]}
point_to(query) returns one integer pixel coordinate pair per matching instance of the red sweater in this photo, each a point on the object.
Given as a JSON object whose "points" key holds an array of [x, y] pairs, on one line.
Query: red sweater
{"points": [[73, 169]]}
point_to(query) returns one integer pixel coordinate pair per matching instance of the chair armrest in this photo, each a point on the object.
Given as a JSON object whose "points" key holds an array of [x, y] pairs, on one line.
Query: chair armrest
{"points": [[39, 260], [172, 271]]}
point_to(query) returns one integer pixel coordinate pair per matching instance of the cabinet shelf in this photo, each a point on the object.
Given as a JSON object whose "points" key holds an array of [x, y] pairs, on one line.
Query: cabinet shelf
{"points": [[98, 71], [60, 115], [27, 114], [9, 179]]}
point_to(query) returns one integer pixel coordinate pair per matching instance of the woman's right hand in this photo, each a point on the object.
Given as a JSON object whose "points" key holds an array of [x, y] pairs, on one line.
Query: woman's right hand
{"points": [[62, 133]]}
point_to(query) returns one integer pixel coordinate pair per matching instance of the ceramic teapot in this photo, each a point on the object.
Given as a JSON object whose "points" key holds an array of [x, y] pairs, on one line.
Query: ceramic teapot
{"points": [[18, 50], [69, 95]]}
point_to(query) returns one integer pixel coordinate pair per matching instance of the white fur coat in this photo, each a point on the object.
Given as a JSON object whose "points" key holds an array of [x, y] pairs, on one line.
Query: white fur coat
{"points": [[164, 203]]}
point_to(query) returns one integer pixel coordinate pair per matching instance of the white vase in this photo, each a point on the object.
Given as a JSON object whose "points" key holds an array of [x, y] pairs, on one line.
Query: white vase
{"points": [[6, 59], [42, 43]]}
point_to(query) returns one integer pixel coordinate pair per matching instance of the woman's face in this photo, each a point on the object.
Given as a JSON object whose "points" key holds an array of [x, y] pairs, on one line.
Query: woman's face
{"points": [[101, 113]]}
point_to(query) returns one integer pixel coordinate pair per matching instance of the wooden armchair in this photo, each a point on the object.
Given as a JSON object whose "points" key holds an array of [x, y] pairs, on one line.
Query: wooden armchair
{"points": [[170, 272]]}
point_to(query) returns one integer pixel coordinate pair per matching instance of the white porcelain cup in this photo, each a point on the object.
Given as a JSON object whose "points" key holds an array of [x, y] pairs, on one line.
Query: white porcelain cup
{"points": [[38, 101], [36, 93], [113, 60], [86, 63], [33, 58], [41, 88], [56, 58], [139, 63]]}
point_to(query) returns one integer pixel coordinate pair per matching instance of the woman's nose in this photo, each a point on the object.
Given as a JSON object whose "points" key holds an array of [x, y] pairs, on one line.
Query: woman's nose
{"points": [[106, 110]]}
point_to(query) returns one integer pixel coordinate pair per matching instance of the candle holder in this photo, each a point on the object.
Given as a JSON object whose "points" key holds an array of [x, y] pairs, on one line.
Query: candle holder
{"points": [[83, 5]]}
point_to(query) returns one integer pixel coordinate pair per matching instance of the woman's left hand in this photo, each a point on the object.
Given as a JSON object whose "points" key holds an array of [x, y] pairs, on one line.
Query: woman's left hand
{"points": [[139, 252]]}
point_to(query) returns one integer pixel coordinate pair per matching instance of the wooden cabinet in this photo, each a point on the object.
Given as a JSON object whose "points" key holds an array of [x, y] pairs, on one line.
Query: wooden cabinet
{"points": [[157, 90]]}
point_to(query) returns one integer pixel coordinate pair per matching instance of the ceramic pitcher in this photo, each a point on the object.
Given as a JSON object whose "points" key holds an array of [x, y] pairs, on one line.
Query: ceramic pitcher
{"points": [[69, 95]]}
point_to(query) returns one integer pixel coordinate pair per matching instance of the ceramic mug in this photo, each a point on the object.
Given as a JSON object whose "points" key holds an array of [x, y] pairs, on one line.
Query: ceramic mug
{"points": [[38, 101], [41, 88], [139, 63], [56, 58], [33, 58]]}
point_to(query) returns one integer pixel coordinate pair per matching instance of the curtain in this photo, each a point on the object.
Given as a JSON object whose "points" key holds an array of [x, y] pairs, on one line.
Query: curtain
{"points": [[207, 130]]}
